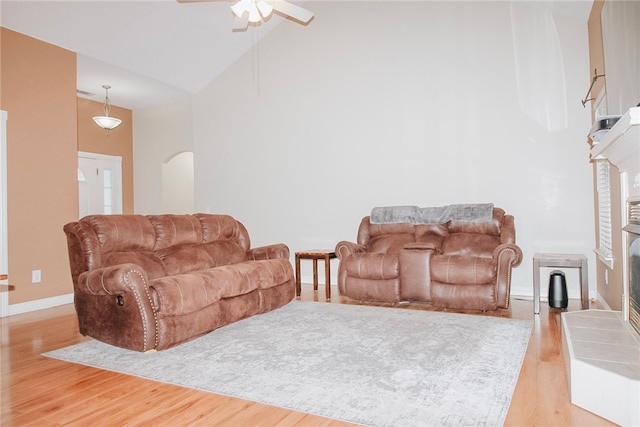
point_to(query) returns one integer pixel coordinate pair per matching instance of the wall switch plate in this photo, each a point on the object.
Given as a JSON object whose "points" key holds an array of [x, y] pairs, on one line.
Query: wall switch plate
{"points": [[36, 276]]}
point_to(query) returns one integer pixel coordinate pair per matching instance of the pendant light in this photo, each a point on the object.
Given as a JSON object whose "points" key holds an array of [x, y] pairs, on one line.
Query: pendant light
{"points": [[106, 122]]}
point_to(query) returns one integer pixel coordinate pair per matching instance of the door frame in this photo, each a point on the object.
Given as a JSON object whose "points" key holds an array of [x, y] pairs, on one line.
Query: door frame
{"points": [[4, 247], [113, 160]]}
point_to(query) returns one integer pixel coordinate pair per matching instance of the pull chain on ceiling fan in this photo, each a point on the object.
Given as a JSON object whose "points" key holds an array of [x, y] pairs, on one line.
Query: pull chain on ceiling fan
{"points": [[256, 11]]}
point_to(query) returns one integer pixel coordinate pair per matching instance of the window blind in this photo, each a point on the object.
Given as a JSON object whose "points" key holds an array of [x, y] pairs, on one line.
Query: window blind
{"points": [[605, 247]]}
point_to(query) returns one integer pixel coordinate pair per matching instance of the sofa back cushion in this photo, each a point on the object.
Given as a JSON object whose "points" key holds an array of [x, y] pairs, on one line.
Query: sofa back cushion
{"points": [[390, 243], [188, 243], [161, 244], [225, 240], [122, 233], [474, 239], [470, 245], [216, 228], [374, 235], [432, 233], [122, 239], [175, 230], [391, 238], [492, 227]]}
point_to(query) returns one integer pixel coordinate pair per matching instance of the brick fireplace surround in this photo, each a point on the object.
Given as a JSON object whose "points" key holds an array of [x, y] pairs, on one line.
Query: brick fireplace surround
{"points": [[600, 347]]}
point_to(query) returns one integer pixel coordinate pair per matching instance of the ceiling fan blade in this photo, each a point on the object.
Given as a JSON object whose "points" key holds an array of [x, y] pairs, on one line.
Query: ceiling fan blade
{"points": [[193, 1], [241, 23], [296, 12]]}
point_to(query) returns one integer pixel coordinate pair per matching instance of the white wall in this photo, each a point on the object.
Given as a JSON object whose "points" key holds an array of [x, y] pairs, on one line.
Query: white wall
{"points": [[177, 184], [159, 134], [380, 103]]}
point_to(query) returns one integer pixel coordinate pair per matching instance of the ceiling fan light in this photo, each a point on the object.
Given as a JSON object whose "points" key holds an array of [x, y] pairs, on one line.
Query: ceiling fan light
{"points": [[239, 8], [106, 122], [248, 6], [254, 14], [265, 8]]}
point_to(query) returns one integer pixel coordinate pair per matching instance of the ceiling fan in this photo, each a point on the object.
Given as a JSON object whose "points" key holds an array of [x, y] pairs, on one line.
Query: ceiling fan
{"points": [[256, 11]]}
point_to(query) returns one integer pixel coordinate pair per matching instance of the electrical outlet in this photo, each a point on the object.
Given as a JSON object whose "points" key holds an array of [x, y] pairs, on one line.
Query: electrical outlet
{"points": [[36, 276]]}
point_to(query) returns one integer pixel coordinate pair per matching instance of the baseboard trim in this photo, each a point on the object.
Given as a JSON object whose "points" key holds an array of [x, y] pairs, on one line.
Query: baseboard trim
{"points": [[602, 301], [40, 304]]}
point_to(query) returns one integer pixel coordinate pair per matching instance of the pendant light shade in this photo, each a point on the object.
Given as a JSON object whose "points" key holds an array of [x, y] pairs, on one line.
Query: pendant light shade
{"points": [[107, 122]]}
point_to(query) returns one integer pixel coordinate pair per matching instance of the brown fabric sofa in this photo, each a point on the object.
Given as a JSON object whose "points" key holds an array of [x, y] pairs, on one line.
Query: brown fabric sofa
{"points": [[152, 282], [456, 264]]}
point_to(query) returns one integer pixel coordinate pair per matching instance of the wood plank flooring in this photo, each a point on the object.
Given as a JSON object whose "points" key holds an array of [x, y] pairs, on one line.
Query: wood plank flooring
{"points": [[38, 391]]}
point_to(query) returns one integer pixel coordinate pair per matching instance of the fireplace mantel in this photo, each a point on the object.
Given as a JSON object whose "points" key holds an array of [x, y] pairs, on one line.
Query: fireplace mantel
{"points": [[621, 144]]}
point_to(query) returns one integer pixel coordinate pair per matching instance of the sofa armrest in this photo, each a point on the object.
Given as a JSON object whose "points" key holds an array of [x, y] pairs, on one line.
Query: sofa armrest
{"points": [[117, 279], [508, 253], [277, 250], [344, 249], [114, 305], [506, 256]]}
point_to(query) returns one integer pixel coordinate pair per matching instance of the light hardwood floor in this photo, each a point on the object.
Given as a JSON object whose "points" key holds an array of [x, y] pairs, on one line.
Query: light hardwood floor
{"points": [[38, 391]]}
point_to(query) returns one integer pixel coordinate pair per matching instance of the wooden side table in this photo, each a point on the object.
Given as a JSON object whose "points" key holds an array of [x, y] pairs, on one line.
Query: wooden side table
{"points": [[315, 255], [560, 260]]}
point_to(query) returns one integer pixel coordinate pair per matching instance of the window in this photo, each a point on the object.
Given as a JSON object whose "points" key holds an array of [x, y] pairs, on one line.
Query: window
{"points": [[107, 187], [604, 251]]}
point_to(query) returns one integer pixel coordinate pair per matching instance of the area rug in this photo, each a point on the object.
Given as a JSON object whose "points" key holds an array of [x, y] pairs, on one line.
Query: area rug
{"points": [[375, 366]]}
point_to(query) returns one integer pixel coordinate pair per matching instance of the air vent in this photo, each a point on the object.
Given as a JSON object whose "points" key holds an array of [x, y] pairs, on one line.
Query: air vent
{"points": [[633, 226], [634, 212]]}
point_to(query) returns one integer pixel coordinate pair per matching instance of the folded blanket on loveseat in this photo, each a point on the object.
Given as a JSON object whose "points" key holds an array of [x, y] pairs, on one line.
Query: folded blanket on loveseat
{"points": [[475, 212]]}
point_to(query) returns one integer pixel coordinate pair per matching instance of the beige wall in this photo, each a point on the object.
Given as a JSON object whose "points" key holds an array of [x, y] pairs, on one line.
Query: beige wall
{"points": [[160, 133], [47, 125], [118, 142], [39, 93]]}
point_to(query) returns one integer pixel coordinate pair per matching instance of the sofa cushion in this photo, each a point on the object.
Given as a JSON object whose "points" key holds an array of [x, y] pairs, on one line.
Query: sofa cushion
{"points": [[175, 230], [184, 293], [217, 228], [225, 252], [118, 233], [490, 227], [390, 243], [433, 234], [189, 292], [372, 266], [462, 270], [471, 245], [185, 258]]}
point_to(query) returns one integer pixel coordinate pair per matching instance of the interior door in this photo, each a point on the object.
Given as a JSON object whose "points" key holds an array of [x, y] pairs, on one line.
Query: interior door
{"points": [[99, 184]]}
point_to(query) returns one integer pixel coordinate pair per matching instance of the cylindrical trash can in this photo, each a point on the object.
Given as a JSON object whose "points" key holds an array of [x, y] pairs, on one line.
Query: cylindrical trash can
{"points": [[558, 297]]}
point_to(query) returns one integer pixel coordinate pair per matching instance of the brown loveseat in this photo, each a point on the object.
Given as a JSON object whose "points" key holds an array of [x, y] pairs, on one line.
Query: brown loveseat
{"points": [[152, 282], [462, 263]]}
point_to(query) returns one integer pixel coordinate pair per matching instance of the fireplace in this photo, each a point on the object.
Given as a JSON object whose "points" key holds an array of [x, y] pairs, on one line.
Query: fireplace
{"points": [[633, 238], [602, 347], [621, 147]]}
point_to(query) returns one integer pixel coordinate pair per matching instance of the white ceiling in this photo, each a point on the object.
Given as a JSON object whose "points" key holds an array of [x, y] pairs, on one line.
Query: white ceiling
{"points": [[151, 52]]}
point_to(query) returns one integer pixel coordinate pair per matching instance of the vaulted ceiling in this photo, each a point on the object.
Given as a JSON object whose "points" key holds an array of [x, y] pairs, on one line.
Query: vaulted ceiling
{"points": [[151, 52]]}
